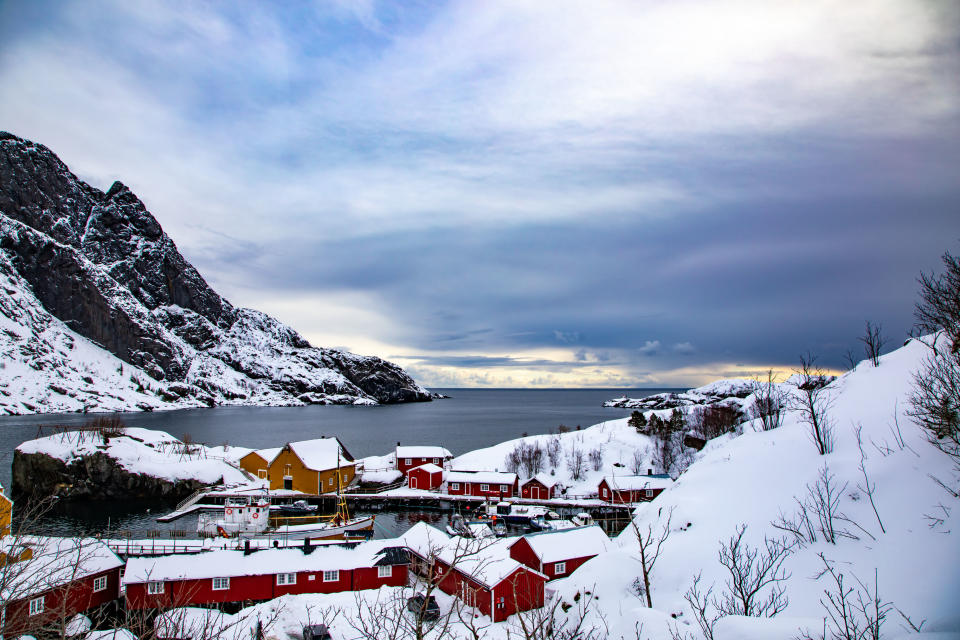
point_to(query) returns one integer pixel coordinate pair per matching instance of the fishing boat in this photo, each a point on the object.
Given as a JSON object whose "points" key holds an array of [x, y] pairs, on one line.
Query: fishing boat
{"points": [[518, 513], [240, 516], [298, 507]]}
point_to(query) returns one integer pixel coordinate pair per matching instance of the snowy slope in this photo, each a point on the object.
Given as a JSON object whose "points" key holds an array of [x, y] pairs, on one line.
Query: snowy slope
{"points": [[749, 480]]}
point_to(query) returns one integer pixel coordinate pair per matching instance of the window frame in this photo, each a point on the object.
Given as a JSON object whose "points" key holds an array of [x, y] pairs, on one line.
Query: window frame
{"points": [[220, 583], [37, 605], [484, 487], [155, 587], [504, 488], [385, 571], [648, 493], [286, 579], [332, 575], [100, 584], [560, 568], [454, 486]]}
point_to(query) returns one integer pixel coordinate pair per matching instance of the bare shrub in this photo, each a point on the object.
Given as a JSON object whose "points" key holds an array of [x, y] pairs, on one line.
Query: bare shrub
{"points": [[820, 512], [636, 463], [813, 403], [576, 462], [713, 420], [769, 404], [755, 586], [525, 459], [873, 342], [650, 542], [596, 458], [554, 451]]}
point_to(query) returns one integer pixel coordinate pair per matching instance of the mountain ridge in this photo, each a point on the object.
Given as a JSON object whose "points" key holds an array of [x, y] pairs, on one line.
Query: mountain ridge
{"points": [[102, 268]]}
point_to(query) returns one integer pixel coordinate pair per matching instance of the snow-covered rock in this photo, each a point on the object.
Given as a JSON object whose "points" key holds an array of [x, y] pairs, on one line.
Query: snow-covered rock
{"points": [[101, 312]]}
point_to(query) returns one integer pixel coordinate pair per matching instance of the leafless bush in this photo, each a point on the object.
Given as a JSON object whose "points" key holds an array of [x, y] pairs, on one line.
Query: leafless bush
{"points": [[576, 462], [813, 403], [755, 586], [873, 342], [596, 458], [650, 542], [769, 404], [559, 620], [636, 464], [867, 487], [713, 420], [853, 613], [820, 512], [554, 451]]}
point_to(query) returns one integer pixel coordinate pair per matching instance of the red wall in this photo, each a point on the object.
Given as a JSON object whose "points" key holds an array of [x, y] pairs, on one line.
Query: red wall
{"points": [[424, 480], [522, 552], [403, 467], [473, 489], [521, 591], [262, 587], [543, 494], [61, 603], [625, 495]]}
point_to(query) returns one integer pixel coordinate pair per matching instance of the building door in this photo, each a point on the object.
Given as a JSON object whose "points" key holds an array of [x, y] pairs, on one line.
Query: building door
{"points": [[288, 483], [535, 492], [413, 482]]}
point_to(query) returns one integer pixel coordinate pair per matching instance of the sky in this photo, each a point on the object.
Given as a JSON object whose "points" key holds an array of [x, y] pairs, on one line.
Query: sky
{"points": [[524, 194]]}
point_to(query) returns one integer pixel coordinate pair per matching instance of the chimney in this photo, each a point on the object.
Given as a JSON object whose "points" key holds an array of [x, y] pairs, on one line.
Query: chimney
{"points": [[246, 547], [398, 443], [649, 472]]}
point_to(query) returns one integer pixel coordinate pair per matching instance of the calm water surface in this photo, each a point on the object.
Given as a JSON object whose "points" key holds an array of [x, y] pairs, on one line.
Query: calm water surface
{"points": [[470, 419]]}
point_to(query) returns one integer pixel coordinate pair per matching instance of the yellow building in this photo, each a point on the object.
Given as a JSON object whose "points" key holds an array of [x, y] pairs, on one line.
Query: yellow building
{"points": [[6, 513], [310, 466], [258, 462]]}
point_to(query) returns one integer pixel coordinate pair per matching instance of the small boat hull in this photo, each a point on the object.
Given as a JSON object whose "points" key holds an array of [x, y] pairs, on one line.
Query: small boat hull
{"points": [[326, 530]]}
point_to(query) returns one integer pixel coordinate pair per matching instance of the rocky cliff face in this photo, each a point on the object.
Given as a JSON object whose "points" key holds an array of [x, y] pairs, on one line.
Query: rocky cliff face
{"points": [[82, 266]]}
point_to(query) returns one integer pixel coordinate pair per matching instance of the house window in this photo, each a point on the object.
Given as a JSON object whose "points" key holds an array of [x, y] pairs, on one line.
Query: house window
{"points": [[330, 483], [262, 473], [436, 461], [153, 588], [384, 571], [331, 576], [286, 578], [454, 486], [36, 606], [560, 568], [407, 461], [504, 488], [221, 584], [287, 470], [603, 492], [649, 493], [484, 487], [100, 584]]}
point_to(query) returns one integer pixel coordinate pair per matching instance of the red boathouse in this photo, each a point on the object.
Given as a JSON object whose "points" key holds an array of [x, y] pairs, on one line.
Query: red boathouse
{"points": [[231, 576], [409, 457], [539, 487], [557, 554], [628, 489], [53, 579], [427, 476], [488, 484]]}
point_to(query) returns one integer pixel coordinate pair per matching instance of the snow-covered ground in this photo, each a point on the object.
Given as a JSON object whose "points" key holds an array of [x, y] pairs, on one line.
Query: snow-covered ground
{"points": [[155, 453]]}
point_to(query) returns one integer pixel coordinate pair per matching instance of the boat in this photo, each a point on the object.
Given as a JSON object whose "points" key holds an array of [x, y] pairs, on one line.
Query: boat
{"points": [[240, 516], [518, 513], [582, 519], [543, 523], [298, 507]]}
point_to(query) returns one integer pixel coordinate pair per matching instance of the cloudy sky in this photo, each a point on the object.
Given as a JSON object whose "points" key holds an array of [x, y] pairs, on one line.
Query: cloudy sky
{"points": [[524, 193]]}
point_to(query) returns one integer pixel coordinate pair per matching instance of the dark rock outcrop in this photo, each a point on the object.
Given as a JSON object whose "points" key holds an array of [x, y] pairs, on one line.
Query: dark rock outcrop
{"points": [[102, 264], [91, 477]]}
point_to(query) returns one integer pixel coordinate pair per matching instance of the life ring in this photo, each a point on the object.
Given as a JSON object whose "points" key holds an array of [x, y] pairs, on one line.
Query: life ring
{"points": [[229, 512], [256, 515]]}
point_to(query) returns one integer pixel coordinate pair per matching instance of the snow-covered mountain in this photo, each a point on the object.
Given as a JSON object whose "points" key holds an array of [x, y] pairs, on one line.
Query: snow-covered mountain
{"points": [[100, 312]]}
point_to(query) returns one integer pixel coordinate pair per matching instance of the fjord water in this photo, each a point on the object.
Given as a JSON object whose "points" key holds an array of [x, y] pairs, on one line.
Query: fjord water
{"points": [[469, 419]]}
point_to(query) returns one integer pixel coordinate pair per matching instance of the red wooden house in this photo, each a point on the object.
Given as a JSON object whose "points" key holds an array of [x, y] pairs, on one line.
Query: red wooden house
{"points": [[409, 457], [488, 484], [628, 489], [539, 487], [50, 580], [557, 554], [231, 576], [480, 573], [427, 476]]}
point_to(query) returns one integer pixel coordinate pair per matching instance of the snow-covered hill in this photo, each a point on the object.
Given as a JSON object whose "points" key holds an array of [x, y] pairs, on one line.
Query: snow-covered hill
{"points": [[100, 312], [753, 479]]}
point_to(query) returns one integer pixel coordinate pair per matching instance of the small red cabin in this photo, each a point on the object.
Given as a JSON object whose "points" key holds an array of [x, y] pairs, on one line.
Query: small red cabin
{"points": [[53, 579], [410, 457], [557, 554], [488, 484], [427, 476], [539, 487], [628, 489], [219, 577], [483, 577]]}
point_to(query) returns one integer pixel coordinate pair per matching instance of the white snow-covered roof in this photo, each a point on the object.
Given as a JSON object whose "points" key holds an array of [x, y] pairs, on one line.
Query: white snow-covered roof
{"points": [[636, 483], [235, 563], [578, 542], [544, 479], [484, 477], [486, 560], [268, 454], [422, 451], [320, 454], [55, 562], [429, 468]]}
